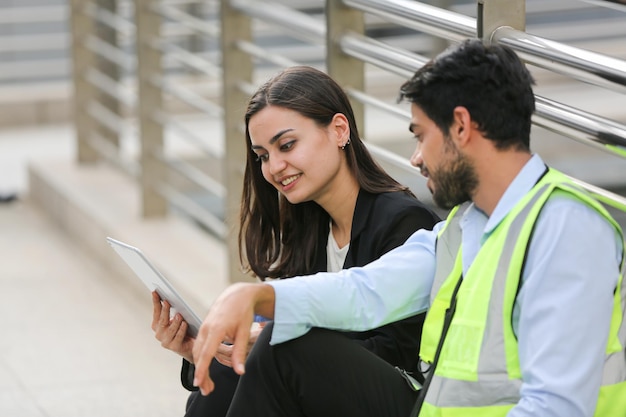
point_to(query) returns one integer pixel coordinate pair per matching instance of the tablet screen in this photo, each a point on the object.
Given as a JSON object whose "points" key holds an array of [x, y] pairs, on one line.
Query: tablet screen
{"points": [[154, 280]]}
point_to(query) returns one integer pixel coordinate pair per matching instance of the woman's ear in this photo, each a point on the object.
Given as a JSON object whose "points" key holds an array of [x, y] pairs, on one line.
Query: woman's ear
{"points": [[340, 128]]}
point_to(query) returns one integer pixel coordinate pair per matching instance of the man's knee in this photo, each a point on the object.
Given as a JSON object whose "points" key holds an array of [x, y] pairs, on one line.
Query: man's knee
{"points": [[314, 342], [261, 349]]}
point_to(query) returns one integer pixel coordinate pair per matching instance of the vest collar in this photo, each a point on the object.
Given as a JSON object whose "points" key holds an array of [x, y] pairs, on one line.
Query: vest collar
{"points": [[525, 180]]}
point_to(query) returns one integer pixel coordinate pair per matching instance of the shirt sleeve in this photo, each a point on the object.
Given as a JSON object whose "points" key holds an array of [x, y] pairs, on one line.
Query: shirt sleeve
{"points": [[394, 287], [563, 311], [397, 342]]}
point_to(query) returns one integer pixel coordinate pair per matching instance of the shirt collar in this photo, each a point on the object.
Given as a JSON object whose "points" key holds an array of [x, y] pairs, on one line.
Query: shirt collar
{"points": [[522, 184]]}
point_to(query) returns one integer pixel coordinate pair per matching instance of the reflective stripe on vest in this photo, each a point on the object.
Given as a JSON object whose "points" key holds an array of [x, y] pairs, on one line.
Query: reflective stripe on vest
{"points": [[479, 366]]}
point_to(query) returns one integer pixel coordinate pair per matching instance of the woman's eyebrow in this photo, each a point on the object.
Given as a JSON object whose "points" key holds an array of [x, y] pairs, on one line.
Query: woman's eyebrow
{"points": [[273, 139], [279, 134]]}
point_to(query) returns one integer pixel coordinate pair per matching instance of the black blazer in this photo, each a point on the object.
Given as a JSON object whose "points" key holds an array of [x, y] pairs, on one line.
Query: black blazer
{"points": [[381, 223]]}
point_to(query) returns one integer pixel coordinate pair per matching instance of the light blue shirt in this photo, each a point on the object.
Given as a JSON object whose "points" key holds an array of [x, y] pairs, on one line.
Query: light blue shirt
{"points": [[561, 316]]}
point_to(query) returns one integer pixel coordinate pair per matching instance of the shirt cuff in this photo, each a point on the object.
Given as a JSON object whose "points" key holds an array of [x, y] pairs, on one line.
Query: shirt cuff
{"points": [[289, 309]]}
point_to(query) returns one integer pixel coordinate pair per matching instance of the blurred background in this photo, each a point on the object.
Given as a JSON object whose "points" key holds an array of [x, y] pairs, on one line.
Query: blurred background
{"points": [[124, 118]]}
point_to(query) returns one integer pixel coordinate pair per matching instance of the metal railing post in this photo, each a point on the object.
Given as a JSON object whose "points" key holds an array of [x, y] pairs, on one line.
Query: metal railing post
{"points": [[349, 72], [109, 35], [439, 44], [82, 26], [237, 69], [194, 41], [493, 14], [150, 101]]}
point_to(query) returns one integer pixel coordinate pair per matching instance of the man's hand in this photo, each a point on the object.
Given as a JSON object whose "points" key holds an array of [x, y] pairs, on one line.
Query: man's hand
{"points": [[224, 353], [229, 320]]}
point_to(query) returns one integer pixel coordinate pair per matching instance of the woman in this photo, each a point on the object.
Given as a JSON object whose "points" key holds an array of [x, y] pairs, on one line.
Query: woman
{"points": [[313, 200]]}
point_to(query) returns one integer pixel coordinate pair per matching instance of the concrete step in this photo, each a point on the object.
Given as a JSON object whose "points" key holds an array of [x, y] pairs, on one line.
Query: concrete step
{"points": [[76, 341], [91, 202], [77, 338]]}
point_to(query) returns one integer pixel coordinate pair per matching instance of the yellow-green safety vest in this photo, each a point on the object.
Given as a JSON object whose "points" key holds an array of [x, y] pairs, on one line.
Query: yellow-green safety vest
{"points": [[478, 373]]}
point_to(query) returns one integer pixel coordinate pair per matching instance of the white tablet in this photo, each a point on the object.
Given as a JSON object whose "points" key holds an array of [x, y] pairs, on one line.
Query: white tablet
{"points": [[154, 280]]}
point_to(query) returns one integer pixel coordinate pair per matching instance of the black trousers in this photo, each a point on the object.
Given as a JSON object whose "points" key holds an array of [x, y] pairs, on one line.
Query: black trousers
{"points": [[323, 374], [216, 404]]}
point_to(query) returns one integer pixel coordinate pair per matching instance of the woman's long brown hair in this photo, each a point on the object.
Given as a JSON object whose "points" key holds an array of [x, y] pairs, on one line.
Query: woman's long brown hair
{"points": [[280, 239]]}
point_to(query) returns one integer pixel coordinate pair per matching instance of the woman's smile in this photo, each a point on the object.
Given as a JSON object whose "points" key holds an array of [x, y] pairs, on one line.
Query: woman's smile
{"points": [[289, 181]]}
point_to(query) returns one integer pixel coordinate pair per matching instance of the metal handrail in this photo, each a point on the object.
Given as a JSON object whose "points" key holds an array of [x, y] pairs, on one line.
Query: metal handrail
{"points": [[33, 69], [111, 153], [32, 14], [189, 59], [419, 16], [300, 25], [193, 209], [166, 120], [379, 104], [185, 19], [385, 155], [577, 63], [111, 87], [246, 88], [105, 117], [264, 55], [114, 21], [16, 40], [188, 97], [566, 120], [111, 53], [587, 128], [33, 42], [196, 176], [605, 196], [171, 69], [398, 61]]}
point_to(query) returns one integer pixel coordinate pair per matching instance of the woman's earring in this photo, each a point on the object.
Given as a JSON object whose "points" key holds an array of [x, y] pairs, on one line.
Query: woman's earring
{"points": [[345, 144]]}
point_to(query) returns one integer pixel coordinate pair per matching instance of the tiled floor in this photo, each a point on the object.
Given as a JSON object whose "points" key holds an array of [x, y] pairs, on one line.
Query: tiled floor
{"points": [[73, 343]]}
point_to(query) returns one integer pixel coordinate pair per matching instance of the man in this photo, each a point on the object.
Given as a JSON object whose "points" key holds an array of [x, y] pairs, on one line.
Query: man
{"points": [[522, 282]]}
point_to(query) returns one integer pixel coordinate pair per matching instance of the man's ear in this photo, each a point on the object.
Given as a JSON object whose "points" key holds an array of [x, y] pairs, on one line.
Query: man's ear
{"points": [[341, 128], [462, 126]]}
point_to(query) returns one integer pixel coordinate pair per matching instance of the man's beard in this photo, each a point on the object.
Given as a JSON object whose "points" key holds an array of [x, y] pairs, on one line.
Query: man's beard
{"points": [[454, 182]]}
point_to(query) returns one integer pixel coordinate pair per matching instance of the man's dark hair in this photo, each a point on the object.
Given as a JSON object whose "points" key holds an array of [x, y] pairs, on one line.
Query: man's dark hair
{"points": [[491, 82]]}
